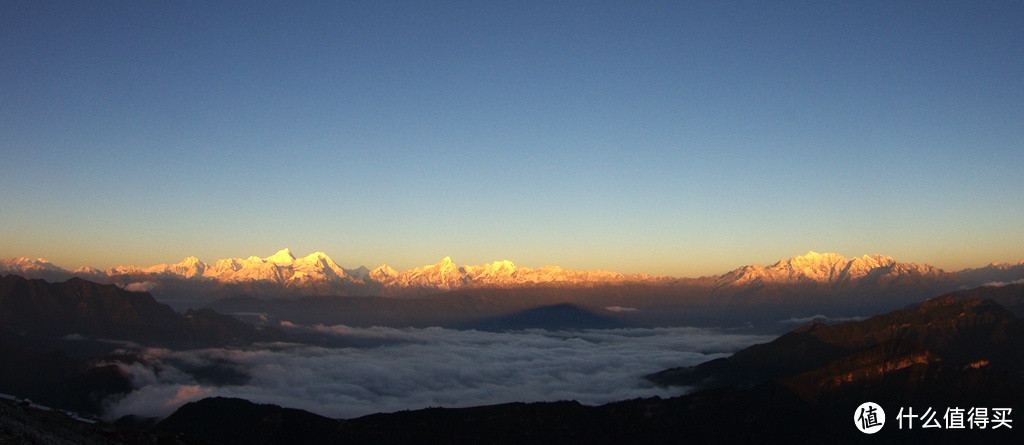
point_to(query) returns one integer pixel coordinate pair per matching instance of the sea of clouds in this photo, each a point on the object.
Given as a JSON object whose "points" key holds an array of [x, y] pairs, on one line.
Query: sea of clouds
{"points": [[401, 369]]}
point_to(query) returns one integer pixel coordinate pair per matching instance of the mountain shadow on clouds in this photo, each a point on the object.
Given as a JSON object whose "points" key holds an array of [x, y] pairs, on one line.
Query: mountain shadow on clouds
{"points": [[490, 309], [552, 318]]}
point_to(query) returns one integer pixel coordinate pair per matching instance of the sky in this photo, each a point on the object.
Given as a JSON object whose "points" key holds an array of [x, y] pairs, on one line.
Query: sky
{"points": [[674, 138]]}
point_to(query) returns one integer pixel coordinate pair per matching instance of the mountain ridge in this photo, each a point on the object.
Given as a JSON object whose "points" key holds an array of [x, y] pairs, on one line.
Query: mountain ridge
{"points": [[79, 307], [285, 269], [282, 274]]}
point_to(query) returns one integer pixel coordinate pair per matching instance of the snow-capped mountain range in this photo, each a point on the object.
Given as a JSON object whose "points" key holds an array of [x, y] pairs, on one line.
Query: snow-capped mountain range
{"points": [[286, 270], [829, 268], [281, 267], [317, 274]]}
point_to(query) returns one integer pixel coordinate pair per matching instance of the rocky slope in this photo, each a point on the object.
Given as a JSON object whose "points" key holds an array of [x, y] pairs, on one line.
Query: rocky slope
{"points": [[942, 332], [24, 423], [67, 344], [89, 310]]}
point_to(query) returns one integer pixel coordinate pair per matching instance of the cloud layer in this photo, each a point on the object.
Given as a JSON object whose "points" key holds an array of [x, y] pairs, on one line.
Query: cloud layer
{"points": [[419, 368], [821, 318]]}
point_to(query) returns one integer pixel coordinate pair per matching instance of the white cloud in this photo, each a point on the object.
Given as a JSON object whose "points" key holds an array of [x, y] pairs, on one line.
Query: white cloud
{"points": [[621, 309], [819, 318], [1003, 283], [419, 368], [142, 286]]}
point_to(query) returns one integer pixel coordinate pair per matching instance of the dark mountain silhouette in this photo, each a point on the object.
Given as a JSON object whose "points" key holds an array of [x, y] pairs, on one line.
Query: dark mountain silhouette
{"points": [[681, 420], [1010, 296], [659, 306], [453, 310], [250, 424], [77, 306], [22, 423], [944, 331], [37, 308], [51, 377], [554, 317], [351, 311], [952, 351], [56, 339]]}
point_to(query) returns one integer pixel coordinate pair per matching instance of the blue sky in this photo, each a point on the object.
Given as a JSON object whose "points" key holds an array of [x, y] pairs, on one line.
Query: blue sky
{"points": [[677, 138]]}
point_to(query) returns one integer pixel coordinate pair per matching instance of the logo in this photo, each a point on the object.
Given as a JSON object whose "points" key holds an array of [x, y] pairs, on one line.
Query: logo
{"points": [[869, 417]]}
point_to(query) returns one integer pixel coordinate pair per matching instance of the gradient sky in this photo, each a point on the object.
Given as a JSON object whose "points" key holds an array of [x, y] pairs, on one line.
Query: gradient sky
{"points": [[678, 138]]}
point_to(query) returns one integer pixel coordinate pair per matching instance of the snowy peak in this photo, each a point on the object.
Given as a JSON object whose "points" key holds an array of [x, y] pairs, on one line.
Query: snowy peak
{"points": [[503, 268], [283, 257], [446, 267], [813, 258], [315, 256], [316, 265], [27, 264], [281, 267], [87, 270], [317, 274], [502, 272], [383, 273], [444, 275], [813, 265], [189, 267], [1003, 266], [825, 268], [29, 268], [360, 273]]}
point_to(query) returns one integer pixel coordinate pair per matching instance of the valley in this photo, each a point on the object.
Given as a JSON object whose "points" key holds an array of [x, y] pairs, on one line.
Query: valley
{"points": [[513, 381]]}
